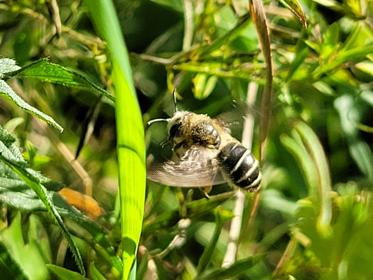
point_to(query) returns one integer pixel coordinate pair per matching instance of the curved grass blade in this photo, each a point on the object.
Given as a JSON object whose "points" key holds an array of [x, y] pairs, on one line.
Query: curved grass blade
{"points": [[309, 152], [130, 133], [220, 217]]}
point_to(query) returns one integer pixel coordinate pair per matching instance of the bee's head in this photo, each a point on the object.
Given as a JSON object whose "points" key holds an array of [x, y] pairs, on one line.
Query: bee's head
{"points": [[175, 124]]}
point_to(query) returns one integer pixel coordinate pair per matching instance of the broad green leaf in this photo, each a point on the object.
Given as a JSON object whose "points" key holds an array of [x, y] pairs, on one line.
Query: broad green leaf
{"points": [[27, 255], [7, 65], [10, 156], [64, 274], [53, 73], [6, 90], [15, 193], [9, 268], [348, 244]]}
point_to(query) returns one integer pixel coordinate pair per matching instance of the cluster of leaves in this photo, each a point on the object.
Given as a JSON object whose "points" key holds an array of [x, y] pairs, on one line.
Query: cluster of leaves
{"points": [[315, 215]]}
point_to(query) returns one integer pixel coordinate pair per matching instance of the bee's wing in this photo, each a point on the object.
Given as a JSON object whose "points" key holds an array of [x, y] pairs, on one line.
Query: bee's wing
{"points": [[197, 167]]}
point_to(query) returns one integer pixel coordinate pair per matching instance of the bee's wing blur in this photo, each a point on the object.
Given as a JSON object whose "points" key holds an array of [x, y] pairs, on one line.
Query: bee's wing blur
{"points": [[196, 168]]}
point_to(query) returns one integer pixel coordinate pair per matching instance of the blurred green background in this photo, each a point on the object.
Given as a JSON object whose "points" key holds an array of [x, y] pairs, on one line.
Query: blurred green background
{"points": [[315, 213]]}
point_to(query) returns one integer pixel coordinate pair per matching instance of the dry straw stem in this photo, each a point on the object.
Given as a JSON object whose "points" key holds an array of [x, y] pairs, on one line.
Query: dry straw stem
{"points": [[235, 229], [259, 18], [188, 23]]}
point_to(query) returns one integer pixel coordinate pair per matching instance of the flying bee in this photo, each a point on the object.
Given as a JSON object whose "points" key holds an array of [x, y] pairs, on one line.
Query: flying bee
{"points": [[204, 154]]}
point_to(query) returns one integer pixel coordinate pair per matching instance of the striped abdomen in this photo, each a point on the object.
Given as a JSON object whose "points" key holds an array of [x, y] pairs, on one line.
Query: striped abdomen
{"points": [[240, 166]]}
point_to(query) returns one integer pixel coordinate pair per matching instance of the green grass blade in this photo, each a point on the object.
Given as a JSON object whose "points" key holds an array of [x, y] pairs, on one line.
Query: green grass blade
{"points": [[309, 152], [207, 253], [130, 132]]}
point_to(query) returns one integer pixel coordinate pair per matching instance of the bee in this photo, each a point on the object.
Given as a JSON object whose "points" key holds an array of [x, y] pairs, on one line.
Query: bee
{"points": [[204, 154]]}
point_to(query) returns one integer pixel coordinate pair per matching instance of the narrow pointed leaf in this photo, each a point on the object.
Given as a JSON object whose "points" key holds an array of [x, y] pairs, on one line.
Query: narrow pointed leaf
{"points": [[295, 7], [46, 71], [6, 90]]}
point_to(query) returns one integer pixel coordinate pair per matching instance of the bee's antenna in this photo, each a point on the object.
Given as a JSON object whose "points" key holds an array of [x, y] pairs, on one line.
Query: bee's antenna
{"points": [[174, 96], [157, 120]]}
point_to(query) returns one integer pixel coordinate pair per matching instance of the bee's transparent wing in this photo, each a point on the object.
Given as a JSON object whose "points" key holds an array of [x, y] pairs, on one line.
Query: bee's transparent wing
{"points": [[198, 167]]}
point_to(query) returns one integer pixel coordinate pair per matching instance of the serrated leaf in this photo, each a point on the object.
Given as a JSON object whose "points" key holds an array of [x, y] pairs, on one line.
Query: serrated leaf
{"points": [[6, 90], [16, 193], [7, 65], [34, 180], [9, 268], [54, 73]]}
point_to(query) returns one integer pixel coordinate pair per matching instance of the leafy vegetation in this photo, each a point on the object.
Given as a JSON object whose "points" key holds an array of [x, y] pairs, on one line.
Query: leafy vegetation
{"points": [[79, 80]]}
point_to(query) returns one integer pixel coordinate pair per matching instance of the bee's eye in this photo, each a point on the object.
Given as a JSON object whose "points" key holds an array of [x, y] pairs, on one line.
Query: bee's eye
{"points": [[175, 130]]}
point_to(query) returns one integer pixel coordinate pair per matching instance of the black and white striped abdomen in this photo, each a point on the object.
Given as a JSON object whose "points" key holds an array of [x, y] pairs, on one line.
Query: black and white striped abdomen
{"points": [[240, 166]]}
